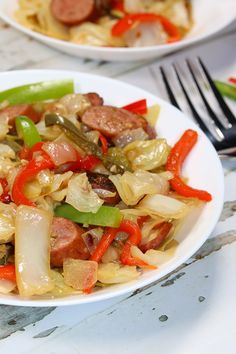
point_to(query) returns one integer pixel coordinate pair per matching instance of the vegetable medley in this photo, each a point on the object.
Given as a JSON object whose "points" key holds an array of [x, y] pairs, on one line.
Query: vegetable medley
{"points": [[108, 23], [89, 196]]}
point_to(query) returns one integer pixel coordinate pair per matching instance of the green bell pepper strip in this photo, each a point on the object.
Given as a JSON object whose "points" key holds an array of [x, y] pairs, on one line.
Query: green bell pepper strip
{"points": [[41, 91], [226, 89], [105, 216], [27, 130]]}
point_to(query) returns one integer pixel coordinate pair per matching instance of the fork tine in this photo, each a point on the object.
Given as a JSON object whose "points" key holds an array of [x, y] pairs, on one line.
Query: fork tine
{"points": [[194, 73], [217, 94], [168, 89], [197, 117]]}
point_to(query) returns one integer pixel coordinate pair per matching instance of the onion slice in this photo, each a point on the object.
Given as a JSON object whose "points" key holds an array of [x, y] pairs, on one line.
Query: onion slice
{"points": [[163, 206], [32, 247]]}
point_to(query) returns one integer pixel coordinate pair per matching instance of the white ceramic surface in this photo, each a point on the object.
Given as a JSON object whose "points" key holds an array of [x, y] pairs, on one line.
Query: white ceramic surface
{"points": [[202, 167], [210, 16]]}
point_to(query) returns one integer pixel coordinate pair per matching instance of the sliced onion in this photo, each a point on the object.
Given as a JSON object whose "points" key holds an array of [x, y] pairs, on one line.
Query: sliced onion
{"points": [[104, 193], [92, 237], [128, 136], [111, 255], [32, 247], [6, 286], [164, 206], [79, 274], [60, 152], [152, 257]]}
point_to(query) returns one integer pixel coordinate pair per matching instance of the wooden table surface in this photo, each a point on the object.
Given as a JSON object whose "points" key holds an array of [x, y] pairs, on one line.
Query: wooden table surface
{"points": [[192, 310]]}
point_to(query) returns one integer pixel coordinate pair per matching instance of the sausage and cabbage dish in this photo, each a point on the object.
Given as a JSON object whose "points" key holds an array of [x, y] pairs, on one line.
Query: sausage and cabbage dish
{"points": [[89, 195]]}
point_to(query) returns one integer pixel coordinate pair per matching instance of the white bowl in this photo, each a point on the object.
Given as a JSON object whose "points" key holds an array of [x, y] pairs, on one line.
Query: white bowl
{"points": [[210, 16], [202, 167]]}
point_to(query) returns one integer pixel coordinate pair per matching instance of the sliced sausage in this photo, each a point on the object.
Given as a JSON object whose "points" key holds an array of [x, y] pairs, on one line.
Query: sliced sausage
{"points": [[162, 231], [12, 112], [151, 132], [101, 182], [94, 98], [111, 121], [73, 12], [66, 242]]}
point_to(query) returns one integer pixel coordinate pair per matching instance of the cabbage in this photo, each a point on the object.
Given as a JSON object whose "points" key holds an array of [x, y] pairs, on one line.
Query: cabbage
{"points": [[6, 286], [112, 254], [7, 151], [147, 155], [164, 206], [134, 186], [7, 222], [60, 288], [81, 196], [96, 34], [152, 115], [80, 274], [113, 273], [154, 257], [32, 250]]}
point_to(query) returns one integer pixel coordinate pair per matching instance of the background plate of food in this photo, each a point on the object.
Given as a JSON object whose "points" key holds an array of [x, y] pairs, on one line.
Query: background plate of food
{"points": [[118, 30], [93, 204]]}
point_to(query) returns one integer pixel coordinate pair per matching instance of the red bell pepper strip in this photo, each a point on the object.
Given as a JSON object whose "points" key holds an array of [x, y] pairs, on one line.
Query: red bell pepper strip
{"points": [[104, 143], [5, 196], [174, 164], [28, 172], [134, 239], [232, 80], [138, 107], [7, 272], [118, 5], [86, 163], [127, 22]]}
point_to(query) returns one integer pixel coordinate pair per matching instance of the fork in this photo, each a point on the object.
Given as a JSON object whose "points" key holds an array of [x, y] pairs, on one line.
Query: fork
{"points": [[191, 89]]}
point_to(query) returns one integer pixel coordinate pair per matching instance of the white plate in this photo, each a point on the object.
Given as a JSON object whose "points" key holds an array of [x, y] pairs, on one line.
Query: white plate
{"points": [[210, 16], [171, 124]]}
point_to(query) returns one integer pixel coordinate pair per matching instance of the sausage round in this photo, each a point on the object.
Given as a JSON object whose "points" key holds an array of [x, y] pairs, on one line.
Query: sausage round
{"points": [[66, 242], [12, 112], [94, 98], [111, 121], [163, 230], [72, 12]]}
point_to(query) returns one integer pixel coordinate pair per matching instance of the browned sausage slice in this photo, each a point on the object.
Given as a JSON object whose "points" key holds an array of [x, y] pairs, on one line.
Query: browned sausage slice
{"points": [[100, 182], [66, 242], [162, 230], [94, 98], [12, 112], [72, 12], [112, 120]]}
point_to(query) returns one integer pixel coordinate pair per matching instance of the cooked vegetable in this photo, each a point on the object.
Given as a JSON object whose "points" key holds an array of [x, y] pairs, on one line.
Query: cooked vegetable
{"points": [[138, 107], [232, 80], [174, 163], [27, 131], [6, 286], [105, 216], [147, 155], [127, 22], [226, 89], [60, 152], [32, 243], [28, 172], [164, 206], [81, 275], [41, 91], [134, 186], [6, 250], [113, 273], [81, 195], [7, 272]]}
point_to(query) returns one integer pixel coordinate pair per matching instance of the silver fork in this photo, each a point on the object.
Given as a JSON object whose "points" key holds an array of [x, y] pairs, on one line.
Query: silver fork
{"points": [[191, 89]]}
